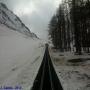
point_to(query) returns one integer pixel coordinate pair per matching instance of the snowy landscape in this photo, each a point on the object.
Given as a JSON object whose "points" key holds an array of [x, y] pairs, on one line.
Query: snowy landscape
{"points": [[21, 51], [73, 70], [20, 58], [21, 54]]}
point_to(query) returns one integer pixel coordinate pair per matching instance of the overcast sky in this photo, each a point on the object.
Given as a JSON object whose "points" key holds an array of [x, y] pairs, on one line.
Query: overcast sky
{"points": [[36, 14]]}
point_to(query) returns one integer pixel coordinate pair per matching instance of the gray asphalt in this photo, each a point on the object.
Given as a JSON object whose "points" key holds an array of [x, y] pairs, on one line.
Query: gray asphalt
{"points": [[46, 78]]}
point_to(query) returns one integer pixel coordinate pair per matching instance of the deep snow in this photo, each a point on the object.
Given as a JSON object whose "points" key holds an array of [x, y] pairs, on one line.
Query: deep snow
{"points": [[20, 58]]}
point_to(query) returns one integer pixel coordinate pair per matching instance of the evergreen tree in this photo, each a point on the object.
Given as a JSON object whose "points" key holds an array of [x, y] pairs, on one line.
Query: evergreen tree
{"points": [[71, 24]]}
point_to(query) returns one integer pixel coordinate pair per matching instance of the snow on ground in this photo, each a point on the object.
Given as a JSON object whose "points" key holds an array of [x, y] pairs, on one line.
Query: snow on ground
{"points": [[20, 58], [74, 75]]}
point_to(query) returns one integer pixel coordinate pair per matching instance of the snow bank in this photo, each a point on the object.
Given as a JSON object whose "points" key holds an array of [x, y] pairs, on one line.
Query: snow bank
{"points": [[20, 58]]}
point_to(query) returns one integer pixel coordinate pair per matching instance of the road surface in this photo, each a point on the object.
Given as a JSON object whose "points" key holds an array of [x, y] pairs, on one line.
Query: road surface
{"points": [[46, 78]]}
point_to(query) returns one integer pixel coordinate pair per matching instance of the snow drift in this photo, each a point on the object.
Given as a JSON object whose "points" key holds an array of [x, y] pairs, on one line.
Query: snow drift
{"points": [[20, 57]]}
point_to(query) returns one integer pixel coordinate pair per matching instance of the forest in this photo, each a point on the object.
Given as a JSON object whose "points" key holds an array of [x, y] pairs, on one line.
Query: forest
{"points": [[69, 28]]}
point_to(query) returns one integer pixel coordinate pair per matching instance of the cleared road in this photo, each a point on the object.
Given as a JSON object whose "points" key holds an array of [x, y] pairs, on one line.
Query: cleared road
{"points": [[47, 78]]}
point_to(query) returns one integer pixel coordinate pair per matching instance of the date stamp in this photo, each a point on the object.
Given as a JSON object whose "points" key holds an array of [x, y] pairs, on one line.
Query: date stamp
{"points": [[10, 88]]}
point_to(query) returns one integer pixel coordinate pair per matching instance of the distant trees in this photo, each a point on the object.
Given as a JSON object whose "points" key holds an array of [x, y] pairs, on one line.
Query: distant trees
{"points": [[57, 29], [70, 26]]}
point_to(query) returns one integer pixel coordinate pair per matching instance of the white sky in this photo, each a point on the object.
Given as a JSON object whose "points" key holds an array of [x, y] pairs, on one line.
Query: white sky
{"points": [[36, 14]]}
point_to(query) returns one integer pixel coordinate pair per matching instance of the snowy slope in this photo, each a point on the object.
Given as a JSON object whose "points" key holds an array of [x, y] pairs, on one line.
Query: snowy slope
{"points": [[20, 58], [9, 19]]}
